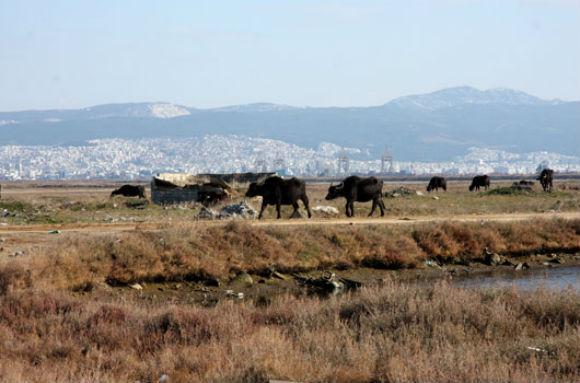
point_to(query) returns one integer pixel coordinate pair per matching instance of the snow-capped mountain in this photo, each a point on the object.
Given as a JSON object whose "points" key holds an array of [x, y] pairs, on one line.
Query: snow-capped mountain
{"points": [[451, 97], [137, 110], [155, 110]]}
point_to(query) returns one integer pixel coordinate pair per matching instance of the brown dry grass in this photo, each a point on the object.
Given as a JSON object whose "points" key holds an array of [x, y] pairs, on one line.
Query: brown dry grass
{"points": [[398, 333], [197, 252], [394, 333]]}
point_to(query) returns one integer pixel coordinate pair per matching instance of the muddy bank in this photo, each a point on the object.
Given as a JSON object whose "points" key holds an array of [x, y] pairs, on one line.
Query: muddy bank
{"points": [[201, 263], [552, 271]]}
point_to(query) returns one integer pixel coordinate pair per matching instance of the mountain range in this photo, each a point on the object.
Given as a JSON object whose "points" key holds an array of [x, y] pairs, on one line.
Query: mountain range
{"points": [[427, 127]]}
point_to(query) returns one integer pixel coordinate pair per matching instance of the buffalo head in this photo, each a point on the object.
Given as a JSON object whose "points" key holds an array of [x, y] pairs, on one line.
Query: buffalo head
{"points": [[335, 192], [254, 190]]}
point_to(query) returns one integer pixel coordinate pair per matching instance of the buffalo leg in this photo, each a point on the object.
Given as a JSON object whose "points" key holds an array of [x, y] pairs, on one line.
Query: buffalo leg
{"points": [[262, 210], [295, 213], [278, 216], [351, 204], [382, 206], [373, 207], [307, 205]]}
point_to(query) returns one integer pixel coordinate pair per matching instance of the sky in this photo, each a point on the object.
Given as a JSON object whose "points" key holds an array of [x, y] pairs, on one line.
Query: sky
{"points": [[71, 54]]}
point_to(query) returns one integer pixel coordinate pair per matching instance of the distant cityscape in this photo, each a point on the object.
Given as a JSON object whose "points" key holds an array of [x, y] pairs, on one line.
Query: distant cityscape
{"points": [[141, 158]]}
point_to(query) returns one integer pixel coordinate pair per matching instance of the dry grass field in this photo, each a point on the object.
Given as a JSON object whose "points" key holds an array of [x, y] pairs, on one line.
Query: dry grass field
{"points": [[68, 313], [395, 333]]}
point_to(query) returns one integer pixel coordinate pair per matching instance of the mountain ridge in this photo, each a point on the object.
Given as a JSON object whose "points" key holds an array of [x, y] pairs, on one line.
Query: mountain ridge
{"points": [[501, 95], [461, 95], [432, 126]]}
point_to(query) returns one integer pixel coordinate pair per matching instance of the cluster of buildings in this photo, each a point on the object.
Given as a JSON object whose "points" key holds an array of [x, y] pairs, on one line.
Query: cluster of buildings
{"points": [[134, 159]]}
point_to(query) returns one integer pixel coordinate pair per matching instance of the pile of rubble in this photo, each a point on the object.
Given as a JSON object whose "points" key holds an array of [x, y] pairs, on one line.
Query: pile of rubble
{"points": [[402, 192], [240, 210], [207, 213], [4, 213], [327, 283]]}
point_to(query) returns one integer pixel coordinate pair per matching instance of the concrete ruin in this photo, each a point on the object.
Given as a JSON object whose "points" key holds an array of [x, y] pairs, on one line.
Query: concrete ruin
{"points": [[183, 188], [239, 179]]}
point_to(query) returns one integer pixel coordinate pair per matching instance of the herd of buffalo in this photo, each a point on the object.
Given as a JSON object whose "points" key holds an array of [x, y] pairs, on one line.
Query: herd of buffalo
{"points": [[278, 191]]}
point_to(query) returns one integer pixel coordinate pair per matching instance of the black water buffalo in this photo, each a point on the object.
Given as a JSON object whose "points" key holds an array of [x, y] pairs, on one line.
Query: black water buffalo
{"points": [[546, 177], [130, 191], [209, 195], [278, 191], [358, 189], [437, 182], [525, 183], [479, 181]]}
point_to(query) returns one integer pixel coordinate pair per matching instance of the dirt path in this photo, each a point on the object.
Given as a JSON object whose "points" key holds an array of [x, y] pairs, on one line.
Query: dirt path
{"points": [[154, 226]]}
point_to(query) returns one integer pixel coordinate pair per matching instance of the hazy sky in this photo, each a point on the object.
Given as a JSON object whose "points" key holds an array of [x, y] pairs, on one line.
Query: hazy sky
{"points": [[69, 54]]}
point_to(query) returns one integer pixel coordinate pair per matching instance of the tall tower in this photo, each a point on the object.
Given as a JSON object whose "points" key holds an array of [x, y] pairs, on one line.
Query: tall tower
{"points": [[343, 163], [386, 161], [280, 166], [261, 166], [279, 163]]}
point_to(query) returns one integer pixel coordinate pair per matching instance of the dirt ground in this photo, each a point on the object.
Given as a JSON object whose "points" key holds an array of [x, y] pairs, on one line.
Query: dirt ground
{"points": [[89, 203]]}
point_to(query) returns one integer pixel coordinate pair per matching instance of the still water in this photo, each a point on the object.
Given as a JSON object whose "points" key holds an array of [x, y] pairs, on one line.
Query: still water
{"points": [[557, 278]]}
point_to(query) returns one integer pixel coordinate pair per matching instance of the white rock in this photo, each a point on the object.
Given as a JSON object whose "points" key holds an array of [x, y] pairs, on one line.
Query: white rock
{"points": [[238, 210], [136, 286], [207, 213], [331, 210]]}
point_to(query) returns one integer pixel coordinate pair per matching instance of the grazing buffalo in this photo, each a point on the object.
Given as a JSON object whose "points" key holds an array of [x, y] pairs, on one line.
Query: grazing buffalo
{"points": [[209, 195], [130, 191], [523, 185], [546, 177], [278, 191], [358, 189], [437, 182], [479, 181]]}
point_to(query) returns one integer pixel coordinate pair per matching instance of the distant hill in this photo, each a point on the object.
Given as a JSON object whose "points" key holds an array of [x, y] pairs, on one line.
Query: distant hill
{"points": [[434, 126], [465, 95]]}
